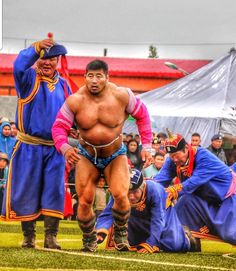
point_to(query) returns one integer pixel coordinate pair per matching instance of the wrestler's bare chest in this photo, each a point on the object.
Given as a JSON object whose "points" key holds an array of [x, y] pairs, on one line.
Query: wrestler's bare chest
{"points": [[108, 112]]}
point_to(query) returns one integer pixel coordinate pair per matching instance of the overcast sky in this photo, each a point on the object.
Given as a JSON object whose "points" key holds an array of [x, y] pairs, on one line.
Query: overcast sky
{"points": [[186, 26]]}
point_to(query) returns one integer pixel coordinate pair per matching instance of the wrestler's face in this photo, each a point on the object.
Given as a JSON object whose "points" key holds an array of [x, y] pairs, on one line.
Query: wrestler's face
{"points": [[180, 157], [135, 196], [48, 66], [96, 81]]}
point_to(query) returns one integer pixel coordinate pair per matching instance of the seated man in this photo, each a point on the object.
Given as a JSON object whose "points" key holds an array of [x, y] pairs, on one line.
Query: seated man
{"points": [[207, 189], [151, 227]]}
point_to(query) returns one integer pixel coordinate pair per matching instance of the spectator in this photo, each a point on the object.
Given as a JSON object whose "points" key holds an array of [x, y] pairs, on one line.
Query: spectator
{"points": [[14, 130], [151, 227], [206, 194], [100, 196], [36, 185], [137, 138], [156, 145], [3, 174], [4, 119], [124, 138], [133, 154], [6, 141], [154, 169], [129, 137], [196, 139], [216, 147], [68, 207], [162, 138]]}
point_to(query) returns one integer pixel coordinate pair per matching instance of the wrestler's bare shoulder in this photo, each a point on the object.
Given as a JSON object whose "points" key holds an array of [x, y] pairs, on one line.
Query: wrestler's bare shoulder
{"points": [[120, 92], [74, 100]]}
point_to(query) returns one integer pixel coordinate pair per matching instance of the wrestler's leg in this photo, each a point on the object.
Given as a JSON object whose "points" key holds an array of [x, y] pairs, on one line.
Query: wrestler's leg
{"points": [[85, 180], [118, 178]]}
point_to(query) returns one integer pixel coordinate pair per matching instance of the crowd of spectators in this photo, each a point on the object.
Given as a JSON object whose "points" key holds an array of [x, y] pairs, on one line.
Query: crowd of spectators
{"points": [[8, 132]]}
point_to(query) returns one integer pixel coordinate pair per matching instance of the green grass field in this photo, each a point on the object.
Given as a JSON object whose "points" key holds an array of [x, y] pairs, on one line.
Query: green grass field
{"points": [[214, 255]]}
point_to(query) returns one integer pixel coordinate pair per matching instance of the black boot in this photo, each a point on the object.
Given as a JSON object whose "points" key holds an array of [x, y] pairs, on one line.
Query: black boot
{"points": [[51, 226], [121, 230], [195, 243], [29, 232], [89, 234]]}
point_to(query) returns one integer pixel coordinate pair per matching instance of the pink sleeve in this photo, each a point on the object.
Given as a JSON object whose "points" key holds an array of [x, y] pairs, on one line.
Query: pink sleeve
{"points": [[61, 128], [137, 109]]}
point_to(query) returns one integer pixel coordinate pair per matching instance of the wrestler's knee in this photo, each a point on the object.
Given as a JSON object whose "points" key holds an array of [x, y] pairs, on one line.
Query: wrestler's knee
{"points": [[121, 201], [85, 203]]}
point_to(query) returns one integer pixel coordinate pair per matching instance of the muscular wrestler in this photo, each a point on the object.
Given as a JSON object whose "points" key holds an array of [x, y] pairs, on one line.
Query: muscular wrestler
{"points": [[100, 109]]}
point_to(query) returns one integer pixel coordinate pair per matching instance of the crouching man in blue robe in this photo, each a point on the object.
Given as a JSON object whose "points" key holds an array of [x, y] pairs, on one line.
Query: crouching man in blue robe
{"points": [[151, 227], [207, 190]]}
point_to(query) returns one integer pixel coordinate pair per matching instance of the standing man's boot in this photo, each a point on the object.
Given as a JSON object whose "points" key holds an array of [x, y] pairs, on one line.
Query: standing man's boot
{"points": [[29, 232], [121, 230], [51, 226], [89, 234]]}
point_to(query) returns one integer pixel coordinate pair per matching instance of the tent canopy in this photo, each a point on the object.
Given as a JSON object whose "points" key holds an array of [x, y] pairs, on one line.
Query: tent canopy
{"points": [[203, 102]]}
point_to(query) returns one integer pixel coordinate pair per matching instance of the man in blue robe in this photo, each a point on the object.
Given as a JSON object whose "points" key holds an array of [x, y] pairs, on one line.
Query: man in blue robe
{"points": [[151, 227], [206, 194], [35, 184]]}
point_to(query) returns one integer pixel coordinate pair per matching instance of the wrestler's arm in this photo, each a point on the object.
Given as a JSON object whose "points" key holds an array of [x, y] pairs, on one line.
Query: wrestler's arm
{"points": [[166, 174], [137, 109], [61, 130], [205, 170]]}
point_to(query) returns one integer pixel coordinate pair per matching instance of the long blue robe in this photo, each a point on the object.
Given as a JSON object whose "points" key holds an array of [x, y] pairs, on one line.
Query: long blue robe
{"points": [[150, 222], [35, 183], [204, 204]]}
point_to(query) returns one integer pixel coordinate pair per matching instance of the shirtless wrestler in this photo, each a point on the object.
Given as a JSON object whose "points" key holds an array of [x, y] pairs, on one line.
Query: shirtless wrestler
{"points": [[99, 109]]}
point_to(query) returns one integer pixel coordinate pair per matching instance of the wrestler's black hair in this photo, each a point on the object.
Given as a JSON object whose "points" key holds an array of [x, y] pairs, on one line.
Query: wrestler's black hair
{"points": [[97, 64]]}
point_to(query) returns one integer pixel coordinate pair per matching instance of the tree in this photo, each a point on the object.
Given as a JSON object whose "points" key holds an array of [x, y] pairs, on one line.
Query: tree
{"points": [[153, 51]]}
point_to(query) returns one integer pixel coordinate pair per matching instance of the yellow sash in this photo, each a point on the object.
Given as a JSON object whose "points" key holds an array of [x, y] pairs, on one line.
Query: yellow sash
{"points": [[33, 140]]}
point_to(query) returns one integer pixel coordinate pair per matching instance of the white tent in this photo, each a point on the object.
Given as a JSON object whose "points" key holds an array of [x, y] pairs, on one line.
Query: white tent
{"points": [[203, 102]]}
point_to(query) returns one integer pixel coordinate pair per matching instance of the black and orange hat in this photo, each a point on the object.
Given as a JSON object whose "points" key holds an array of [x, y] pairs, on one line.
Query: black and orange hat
{"points": [[174, 142]]}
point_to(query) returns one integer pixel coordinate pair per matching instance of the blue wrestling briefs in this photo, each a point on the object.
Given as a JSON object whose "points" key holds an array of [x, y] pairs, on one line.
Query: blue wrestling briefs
{"points": [[101, 163]]}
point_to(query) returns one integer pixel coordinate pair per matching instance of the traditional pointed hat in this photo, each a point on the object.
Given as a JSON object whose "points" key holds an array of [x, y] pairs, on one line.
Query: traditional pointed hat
{"points": [[174, 142]]}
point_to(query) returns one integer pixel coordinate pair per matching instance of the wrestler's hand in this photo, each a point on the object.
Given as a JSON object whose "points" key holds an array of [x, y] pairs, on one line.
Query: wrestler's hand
{"points": [[173, 191], [71, 156], [146, 157]]}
